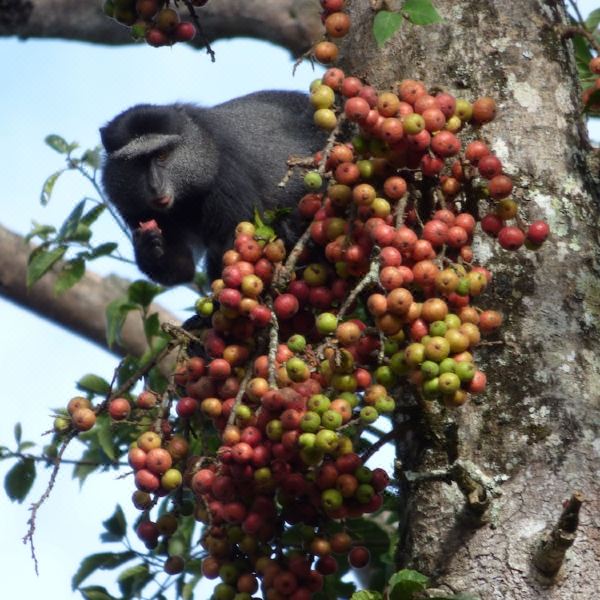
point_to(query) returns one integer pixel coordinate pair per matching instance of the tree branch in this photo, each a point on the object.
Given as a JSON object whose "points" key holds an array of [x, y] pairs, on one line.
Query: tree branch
{"points": [[293, 24], [81, 309]]}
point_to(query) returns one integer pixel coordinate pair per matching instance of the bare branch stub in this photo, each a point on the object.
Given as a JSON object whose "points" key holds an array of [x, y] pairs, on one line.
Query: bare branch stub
{"points": [[551, 550]]}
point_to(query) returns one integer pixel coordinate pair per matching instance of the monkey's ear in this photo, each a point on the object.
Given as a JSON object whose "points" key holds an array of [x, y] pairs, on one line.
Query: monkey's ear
{"points": [[144, 145]]}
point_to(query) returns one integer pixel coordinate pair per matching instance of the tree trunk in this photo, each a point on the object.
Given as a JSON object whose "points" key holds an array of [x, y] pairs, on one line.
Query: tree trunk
{"points": [[536, 429]]}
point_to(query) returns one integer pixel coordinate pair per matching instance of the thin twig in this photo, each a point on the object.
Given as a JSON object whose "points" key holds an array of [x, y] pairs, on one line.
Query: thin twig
{"points": [[200, 30], [369, 279], [37, 505], [240, 394]]}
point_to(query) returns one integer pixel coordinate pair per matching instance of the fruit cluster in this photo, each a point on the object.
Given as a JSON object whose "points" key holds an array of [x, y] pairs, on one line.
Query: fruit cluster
{"points": [[337, 25], [153, 20], [594, 67]]}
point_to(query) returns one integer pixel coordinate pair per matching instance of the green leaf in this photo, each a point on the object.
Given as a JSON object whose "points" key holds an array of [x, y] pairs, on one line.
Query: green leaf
{"points": [[593, 19], [49, 186], [93, 214], [94, 384], [591, 106], [582, 56], [41, 261], [102, 250], [19, 479], [115, 525], [102, 560], [127, 369], [69, 275], [406, 583], [105, 438], [143, 292], [96, 592], [69, 227], [133, 580], [366, 595], [385, 25], [92, 157], [152, 325], [57, 143], [421, 12], [41, 231], [116, 313], [82, 233], [91, 459], [18, 431], [187, 591]]}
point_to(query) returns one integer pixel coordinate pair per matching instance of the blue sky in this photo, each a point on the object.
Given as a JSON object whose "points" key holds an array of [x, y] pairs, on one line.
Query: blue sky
{"points": [[71, 89]]}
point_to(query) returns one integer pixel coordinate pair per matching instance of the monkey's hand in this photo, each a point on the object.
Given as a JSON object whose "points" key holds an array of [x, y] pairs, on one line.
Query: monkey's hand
{"points": [[148, 241], [165, 259]]}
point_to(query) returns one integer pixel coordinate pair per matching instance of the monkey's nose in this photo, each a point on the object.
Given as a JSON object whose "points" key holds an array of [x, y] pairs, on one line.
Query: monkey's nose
{"points": [[162, 202]]}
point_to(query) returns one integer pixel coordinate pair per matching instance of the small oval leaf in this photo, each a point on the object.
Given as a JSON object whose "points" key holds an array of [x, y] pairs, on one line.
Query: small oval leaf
{"points": [[41, 262], [385, 25], [19, 479]]}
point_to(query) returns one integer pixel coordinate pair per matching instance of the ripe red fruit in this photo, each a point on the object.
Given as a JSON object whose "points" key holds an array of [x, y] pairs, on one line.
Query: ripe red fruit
{"points": [[158, 460], [356, 109], [186, 407], [484, 110], [325, 52], [333, 78], [83, 419], [511, 238], [491, 224], [435, 232], [119, 409], [538, 232], [500, 186], [359, 557], [156, 38], [445, 144], [351, 87], [184, 32], [337, 24], [475, 151]]}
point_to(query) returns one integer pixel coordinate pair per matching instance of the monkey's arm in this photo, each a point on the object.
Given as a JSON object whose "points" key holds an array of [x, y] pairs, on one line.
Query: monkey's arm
{"points": [[164, 257]]}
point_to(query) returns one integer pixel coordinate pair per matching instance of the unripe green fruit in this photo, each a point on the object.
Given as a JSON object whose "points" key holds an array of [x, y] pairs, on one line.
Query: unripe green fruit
{"points": [[385, 405], [359, 144], [310, 422], [413, 123], [385, 376], [327, 440], [368, 414], [438, 328], [365, 168], [307, 440], [325, 118], [430, 369], [448, 365], [331, 499], [452, 321], [318, 403], [297, 343], [312, 455], [465, 370], [61, 424], [364, 493], [463, 110], [398, 364], [448, 383], [326, 323], [312, 180], [297, 369], [331, 419], [315, 84], [431, 387], [351, 398], [204, 307], [322, 97]]}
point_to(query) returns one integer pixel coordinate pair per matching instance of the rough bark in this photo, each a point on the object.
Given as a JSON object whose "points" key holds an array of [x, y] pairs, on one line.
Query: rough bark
{"points": [[537, 428], [81, 309], [292, 24]]}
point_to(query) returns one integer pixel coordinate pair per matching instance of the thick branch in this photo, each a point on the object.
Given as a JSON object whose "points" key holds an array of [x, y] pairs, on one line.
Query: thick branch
{"points": [[292, 24], [81, 309]]}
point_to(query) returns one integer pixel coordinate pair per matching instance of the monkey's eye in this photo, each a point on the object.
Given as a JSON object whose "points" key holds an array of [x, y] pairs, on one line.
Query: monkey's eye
{"points": [[162, 156]]}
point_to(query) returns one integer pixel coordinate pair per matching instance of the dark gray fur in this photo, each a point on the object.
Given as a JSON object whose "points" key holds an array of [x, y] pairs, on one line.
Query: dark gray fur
{"points": [[218, 164]]}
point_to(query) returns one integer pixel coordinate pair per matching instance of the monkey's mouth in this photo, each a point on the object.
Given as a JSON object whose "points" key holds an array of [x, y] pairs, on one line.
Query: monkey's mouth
{"points": [[163, 202]]}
